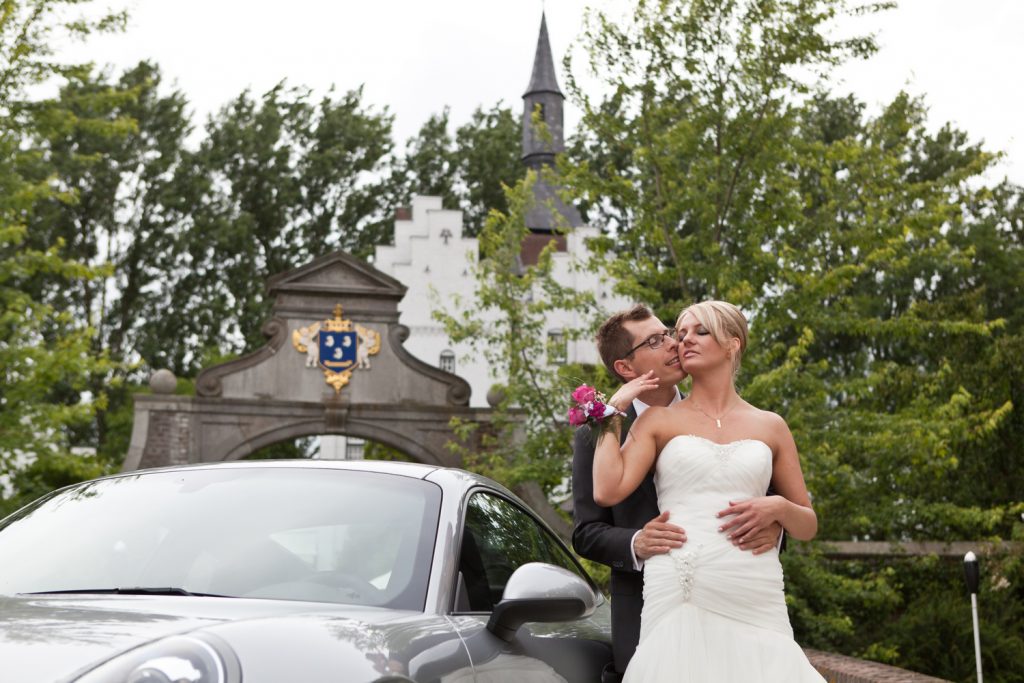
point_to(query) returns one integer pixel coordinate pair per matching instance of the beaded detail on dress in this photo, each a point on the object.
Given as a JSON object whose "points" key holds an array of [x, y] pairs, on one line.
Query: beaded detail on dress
{"points": [[724, 451], [686, 565]]}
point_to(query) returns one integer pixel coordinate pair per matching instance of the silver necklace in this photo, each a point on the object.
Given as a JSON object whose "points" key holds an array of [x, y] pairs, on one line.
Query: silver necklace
{"points": [[718, 420]]}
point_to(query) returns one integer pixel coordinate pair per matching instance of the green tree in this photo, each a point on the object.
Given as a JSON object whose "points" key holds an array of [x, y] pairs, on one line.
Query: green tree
{"points": [[116, 146], [989, 472], [875, 266], [468, 171], [277, 181], [832, 230], [488, 150], [681, 159], [857, 342], [45, 352], [429, 166], [881, 348]]}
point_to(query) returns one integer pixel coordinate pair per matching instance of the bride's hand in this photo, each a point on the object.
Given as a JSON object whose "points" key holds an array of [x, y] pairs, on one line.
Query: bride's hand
{"points": [[622, 398], [753, 521]]}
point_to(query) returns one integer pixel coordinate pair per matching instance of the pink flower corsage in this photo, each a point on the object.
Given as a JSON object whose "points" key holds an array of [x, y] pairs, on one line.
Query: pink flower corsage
{"points": [[588, 407]]}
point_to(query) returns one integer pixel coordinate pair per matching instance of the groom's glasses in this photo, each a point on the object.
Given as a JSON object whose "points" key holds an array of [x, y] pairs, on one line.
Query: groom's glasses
{"points": [[655, 341]]}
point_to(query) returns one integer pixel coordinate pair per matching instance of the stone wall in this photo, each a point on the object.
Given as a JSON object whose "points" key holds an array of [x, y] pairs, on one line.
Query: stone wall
{"points": [[842, 669], [169, 434]]}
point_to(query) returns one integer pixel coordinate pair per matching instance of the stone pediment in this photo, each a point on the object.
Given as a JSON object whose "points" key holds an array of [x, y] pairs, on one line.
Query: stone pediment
{"points": [[337, 273], [314, 288]]}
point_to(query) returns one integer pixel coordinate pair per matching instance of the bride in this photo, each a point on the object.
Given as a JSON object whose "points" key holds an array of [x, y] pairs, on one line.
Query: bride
{"points": [[712, 612]]}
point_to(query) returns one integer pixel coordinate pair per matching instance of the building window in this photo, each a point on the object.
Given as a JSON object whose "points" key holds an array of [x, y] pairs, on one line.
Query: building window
{"points": [[354, 449], [557, 349], [447, 361]]}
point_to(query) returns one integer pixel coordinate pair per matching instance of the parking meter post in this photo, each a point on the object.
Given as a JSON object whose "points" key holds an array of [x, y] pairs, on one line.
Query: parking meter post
{"points": [[972, 579]]}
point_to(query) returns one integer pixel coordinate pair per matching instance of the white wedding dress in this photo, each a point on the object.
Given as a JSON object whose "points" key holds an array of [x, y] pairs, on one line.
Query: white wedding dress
{"points": [[712, 612]]}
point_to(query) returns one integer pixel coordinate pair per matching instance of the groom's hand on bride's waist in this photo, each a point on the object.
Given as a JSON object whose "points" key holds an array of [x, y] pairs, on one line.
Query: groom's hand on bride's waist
{"points": [[657, 537]]}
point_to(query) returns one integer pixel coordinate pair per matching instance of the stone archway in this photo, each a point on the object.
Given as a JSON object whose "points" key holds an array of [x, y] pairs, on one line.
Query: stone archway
{"points": [[278, 393]]}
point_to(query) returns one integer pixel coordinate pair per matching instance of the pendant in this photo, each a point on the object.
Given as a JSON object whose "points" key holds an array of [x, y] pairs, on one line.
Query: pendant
{"points": [[718, 422]]}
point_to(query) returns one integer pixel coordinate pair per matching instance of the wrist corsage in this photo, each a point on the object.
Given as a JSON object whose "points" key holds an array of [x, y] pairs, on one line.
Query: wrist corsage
{"points": [[588, 406]]}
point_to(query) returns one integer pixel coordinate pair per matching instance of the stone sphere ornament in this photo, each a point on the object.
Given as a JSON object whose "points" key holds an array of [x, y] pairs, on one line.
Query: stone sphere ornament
{"points": [[163, 382], [495, 395]]}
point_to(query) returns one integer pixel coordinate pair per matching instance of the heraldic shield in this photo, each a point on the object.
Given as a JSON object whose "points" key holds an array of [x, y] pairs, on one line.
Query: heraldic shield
{"points": [[338, 350], [337, 346]]}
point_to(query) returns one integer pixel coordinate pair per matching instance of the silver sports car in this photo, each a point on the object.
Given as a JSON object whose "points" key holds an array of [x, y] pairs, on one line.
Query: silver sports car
{"points": [[293, 571]]}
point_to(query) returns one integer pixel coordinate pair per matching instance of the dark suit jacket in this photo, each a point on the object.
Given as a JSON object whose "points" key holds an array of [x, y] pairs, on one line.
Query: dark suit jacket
{"points": [[605, 535]]}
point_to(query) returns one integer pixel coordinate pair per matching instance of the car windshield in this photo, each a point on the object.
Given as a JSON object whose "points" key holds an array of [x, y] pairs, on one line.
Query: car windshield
{"points": [[325, 535]]}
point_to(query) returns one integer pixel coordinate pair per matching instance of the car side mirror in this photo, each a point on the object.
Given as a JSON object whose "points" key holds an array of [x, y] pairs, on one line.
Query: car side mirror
{"points": [[540, 592]]}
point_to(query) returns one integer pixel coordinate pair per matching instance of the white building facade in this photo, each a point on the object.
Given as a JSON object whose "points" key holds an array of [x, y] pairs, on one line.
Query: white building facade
{"points": [[431, 257]]}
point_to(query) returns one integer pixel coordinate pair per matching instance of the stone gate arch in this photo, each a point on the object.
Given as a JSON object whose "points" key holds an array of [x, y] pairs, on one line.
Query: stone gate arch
{"points": [[276, 393]]}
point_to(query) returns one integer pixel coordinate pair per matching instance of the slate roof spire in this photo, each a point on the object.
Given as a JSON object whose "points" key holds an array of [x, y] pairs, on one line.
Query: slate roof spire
{"points": [[543, 78], [539, 149]]}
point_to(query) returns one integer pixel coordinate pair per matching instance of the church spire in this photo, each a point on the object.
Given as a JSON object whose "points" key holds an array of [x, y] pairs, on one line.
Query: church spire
{"points": [[543, 78], [545, 97], [539, 148]]}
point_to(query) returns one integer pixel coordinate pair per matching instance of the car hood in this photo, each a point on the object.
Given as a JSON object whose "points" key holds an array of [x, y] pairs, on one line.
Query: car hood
{"points": [[55, 637]]}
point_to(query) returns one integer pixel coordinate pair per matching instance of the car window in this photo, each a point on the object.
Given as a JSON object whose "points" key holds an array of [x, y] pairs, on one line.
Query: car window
{"points": [[499, 537], [325, 535]]}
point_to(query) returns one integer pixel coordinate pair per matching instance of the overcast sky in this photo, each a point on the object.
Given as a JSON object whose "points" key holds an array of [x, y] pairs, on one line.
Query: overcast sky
{"points": [[417, 56]]}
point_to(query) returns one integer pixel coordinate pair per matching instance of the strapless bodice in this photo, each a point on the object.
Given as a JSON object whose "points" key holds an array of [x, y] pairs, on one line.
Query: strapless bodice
{"points": [[696, 477]]}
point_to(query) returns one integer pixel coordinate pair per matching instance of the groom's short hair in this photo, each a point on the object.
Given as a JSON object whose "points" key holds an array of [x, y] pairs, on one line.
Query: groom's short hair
{"points": [[614, 341]]}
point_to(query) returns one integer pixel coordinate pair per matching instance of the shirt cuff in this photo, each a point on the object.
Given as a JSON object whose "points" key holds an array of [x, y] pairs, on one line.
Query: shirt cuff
{"points": [[638, 564]]}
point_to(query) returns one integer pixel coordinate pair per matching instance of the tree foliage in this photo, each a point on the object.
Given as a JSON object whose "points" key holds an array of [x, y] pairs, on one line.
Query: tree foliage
{"points": [[276, 181], [880, 273], [469, 170], [846, 237], [46, 355], [114, 147], [864, 335], [911, 612], [680, 159]]}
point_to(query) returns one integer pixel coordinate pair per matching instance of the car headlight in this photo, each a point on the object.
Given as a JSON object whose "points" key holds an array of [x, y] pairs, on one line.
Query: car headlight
{"points": [[179, 659]]}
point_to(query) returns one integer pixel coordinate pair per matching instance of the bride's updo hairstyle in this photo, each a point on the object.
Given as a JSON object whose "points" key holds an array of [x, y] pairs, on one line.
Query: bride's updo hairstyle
{"points": [[724, 322]]}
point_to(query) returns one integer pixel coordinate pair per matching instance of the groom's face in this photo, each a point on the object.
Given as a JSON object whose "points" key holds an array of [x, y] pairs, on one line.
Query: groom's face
{"points": [[664, 360]]}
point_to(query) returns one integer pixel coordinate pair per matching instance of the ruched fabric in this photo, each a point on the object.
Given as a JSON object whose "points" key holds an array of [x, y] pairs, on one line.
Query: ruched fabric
{"points": [[712, 612]]}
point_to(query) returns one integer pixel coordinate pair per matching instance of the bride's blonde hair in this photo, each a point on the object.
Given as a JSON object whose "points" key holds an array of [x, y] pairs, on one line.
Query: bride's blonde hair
{"points": [[724, 322]]}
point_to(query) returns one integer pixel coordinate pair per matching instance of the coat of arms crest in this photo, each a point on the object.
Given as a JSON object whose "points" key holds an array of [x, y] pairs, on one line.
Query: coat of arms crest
{"points": [[337, 346]]}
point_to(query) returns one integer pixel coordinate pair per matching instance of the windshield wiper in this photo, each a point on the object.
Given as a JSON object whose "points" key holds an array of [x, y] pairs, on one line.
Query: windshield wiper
{"points": [[133, 590]]}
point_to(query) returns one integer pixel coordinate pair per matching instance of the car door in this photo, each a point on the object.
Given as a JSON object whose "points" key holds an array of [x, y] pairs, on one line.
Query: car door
{"points": [[498, 537]]}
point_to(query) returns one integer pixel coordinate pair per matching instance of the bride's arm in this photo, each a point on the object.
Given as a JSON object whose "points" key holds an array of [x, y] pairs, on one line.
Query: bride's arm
{"points": [[795, 513], [619, 470]]}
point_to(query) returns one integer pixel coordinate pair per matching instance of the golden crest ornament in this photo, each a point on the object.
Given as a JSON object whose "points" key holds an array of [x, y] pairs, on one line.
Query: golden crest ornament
{"points": [[337, 346]]}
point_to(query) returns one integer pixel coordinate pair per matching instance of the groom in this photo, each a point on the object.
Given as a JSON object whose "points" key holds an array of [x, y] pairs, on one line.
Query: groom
{"points": [[631, 343]]}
